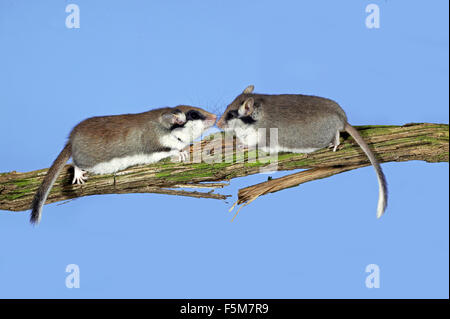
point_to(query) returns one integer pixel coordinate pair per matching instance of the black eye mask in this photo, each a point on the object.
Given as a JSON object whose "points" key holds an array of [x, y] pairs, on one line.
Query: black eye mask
{"points": [[191, 115], [235, 115], [231, 115], [247, 119], [194, 115]]}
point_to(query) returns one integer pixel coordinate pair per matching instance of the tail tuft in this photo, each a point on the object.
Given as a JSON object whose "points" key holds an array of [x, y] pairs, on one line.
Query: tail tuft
{"points": [[383, 197], [36, 211], [383, 191]]}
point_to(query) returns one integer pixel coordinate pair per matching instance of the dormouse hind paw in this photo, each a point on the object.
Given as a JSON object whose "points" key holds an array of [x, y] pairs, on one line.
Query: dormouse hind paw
{"points": [[336, 142]]}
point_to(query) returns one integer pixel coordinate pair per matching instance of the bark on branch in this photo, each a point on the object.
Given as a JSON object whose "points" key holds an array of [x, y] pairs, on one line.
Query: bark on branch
{"points": [[425, 142]]}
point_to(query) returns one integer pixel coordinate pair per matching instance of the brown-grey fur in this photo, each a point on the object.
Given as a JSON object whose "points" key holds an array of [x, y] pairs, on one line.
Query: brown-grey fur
{"points": [[299, 118], [100, 139], [304, 122]]}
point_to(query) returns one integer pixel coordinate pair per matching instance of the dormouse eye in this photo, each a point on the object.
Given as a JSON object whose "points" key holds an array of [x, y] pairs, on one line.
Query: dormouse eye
{"points": [[231, 115], [193, 115]]}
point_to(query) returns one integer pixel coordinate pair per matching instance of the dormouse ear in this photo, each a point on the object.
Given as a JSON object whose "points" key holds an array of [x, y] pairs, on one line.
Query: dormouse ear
{"points": [[174, 118], [249, 89], [247, 108]]}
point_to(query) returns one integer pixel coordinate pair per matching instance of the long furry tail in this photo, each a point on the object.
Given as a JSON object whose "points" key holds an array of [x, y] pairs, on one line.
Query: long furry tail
{"points": [[41, 195], [383, 192]]}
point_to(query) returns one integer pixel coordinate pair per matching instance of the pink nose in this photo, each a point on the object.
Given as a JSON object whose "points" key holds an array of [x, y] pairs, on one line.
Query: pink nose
{"points": [[213, 118], [210, 119]]}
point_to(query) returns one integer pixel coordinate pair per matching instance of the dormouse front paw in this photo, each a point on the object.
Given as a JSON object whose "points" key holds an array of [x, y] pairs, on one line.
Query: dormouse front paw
{"points": [[183, 156]]}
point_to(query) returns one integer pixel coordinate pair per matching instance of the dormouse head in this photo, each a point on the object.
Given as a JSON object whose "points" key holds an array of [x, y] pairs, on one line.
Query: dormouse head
{"points": [[240, 113], [187, 122]]}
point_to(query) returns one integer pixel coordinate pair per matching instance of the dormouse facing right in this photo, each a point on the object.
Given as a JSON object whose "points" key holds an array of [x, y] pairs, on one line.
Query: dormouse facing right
{"points": [[305, 124], [108, 144]]}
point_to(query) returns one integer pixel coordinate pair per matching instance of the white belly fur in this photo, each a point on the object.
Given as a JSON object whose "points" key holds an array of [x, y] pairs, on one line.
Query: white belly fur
{"points": [[118, 164], [249, 137]]}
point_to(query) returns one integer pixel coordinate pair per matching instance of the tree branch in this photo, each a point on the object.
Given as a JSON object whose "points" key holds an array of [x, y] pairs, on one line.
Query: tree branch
{"points": [[426, 142]]}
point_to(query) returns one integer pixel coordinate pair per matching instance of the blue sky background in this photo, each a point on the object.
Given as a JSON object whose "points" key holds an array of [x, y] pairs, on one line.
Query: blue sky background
{"points": [[312, 241]]}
